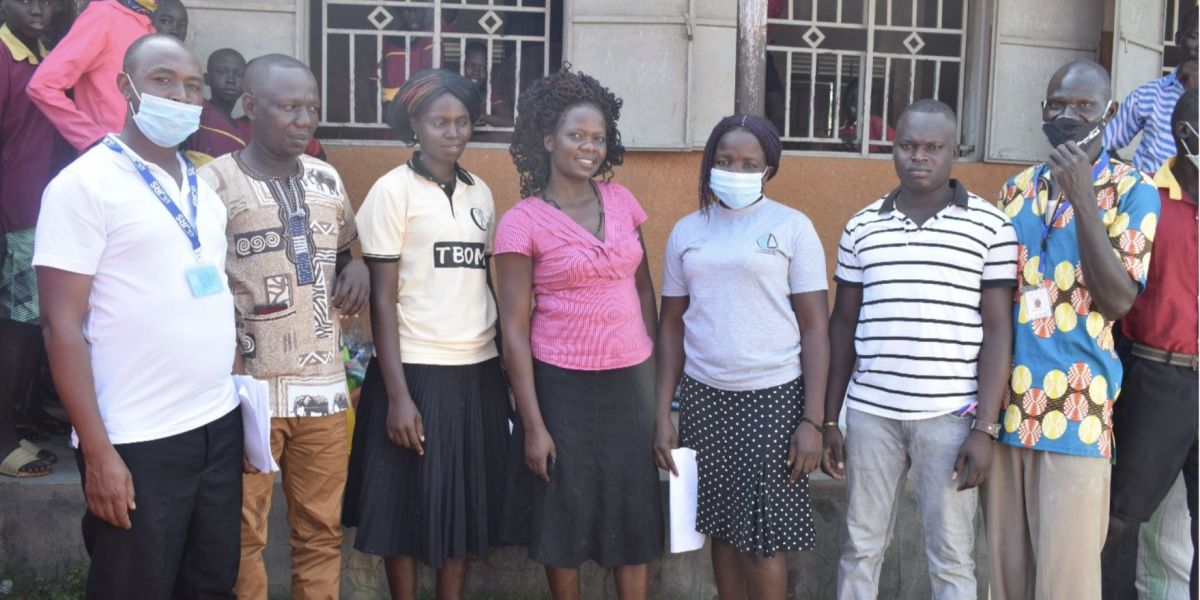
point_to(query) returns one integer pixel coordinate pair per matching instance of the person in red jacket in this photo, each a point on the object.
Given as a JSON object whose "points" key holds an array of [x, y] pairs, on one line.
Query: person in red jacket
{"points": [[88, 60]]}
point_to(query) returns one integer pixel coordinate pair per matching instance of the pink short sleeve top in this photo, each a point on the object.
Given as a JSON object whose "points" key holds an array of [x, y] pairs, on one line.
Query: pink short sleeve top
{"points": [[587, 315]]}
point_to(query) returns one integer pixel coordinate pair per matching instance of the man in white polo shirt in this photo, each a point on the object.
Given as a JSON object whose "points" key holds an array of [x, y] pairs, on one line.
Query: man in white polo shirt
{"points": [[130, 255], [925, 283]]}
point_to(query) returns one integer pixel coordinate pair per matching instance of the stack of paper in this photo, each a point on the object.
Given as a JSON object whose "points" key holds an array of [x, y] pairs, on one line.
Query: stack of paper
{"points": [[684, 537], [255, 398]]}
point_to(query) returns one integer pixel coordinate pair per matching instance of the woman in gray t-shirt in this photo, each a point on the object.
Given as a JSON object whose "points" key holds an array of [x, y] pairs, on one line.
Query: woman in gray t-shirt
{"points": [[743, 283]]}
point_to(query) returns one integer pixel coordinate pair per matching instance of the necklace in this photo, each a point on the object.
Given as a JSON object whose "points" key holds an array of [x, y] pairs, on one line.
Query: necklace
{"points": [[599, 203]]}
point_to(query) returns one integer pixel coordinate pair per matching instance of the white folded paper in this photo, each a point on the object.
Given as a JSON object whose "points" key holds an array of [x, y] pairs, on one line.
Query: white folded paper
{"points": [[684, 537], [255, 399]]}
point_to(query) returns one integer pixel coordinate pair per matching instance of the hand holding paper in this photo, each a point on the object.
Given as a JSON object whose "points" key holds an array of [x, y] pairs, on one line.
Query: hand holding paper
{"points": [[683, 490], [254, 396]]}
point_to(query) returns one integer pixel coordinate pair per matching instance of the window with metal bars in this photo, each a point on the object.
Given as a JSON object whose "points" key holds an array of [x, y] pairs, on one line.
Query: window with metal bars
{"points": [[364, 50], [845, 69]]}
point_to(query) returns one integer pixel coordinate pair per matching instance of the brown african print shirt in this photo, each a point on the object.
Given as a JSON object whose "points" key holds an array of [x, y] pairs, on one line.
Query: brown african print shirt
{"points": [[284, 236]]}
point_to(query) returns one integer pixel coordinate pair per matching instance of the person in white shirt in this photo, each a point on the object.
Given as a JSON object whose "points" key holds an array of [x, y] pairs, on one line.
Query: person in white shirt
{"points": [[130, 257]]}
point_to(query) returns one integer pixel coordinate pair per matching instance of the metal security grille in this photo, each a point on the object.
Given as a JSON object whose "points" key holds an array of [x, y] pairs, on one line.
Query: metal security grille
{"points": [[368, 48], [849, 67]]}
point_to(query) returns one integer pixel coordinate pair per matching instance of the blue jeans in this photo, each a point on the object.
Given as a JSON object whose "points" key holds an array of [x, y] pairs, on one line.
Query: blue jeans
{"points": [[880, 453]]}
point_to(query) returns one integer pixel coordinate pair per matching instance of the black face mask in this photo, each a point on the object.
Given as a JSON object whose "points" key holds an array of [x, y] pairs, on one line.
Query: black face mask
{"points": [[1063, 129]]}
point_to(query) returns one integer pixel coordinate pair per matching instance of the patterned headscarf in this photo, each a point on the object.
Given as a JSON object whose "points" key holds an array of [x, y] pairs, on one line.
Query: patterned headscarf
{"points": [[420, 90]]}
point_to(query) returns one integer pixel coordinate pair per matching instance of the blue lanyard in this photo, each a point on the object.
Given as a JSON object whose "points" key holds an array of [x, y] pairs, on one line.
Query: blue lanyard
{"points": [[1100, 166], [188, 227]]}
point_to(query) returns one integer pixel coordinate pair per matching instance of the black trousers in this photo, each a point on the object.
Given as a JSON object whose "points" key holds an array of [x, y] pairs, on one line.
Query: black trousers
{"points": [[184, 540], [1154, 425]]}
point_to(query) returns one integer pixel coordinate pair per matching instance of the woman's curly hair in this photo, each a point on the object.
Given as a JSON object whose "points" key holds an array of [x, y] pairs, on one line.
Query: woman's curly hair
{"points": [[540, 111]]}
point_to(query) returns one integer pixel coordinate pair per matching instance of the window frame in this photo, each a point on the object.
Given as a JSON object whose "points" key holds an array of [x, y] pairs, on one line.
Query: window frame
{"points": [[968, 110], [317, 46]]}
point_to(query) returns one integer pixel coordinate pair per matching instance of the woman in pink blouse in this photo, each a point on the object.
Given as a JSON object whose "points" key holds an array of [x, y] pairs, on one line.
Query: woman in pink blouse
{"points": [[582, 483]]}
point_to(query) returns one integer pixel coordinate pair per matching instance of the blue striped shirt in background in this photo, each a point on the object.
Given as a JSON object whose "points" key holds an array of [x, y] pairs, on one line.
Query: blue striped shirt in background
{"points": [[1147, 110]]}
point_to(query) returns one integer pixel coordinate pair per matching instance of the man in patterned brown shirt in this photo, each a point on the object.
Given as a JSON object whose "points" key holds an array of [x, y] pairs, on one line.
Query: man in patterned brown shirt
{"points": [[292, 277]]}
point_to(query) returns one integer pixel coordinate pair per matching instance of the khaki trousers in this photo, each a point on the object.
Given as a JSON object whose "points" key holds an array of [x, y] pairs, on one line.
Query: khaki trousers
{"points": [[312, 453], [1047, 518]]}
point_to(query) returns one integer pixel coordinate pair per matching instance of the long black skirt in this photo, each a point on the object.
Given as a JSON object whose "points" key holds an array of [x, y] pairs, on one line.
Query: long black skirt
{"points": [[742, 441], [447, 503], [603, 501]]}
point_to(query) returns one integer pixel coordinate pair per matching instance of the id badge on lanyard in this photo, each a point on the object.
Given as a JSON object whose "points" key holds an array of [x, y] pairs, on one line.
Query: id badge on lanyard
{"points": [[203, 278], [1037, 302]]}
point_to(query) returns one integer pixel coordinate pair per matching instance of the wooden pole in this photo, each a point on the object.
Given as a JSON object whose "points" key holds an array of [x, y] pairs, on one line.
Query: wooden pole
{"points": [[751, 71]]}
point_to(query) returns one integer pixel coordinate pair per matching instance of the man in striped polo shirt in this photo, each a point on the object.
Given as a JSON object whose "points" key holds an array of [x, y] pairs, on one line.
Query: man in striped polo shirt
{"points": [[1148, 109], [925, 286]]}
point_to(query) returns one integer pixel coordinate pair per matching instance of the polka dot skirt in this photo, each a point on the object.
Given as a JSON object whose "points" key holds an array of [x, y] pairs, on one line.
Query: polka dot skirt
{"points": [[742, 441]]}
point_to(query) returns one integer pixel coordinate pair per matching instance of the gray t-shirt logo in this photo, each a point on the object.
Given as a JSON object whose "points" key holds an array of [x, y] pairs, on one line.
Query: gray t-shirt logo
{"points": [[768, 243]]}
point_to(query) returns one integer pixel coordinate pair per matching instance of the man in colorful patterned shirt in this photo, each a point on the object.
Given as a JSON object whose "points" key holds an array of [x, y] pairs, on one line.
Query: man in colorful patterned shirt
{"points": [[1085, 223], [1148, 109], [292, 276]]}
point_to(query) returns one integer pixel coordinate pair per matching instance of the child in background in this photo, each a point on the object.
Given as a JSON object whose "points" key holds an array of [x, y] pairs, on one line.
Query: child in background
{"points": [[31, 153]]}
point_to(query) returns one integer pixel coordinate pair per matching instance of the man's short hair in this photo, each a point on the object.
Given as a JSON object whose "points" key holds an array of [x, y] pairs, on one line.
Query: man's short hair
{"points": [[1090, 67], [217, 54], [475, 47], [258, 69], [931, 106], [133, 59], [1185, 109], [163, 3]]}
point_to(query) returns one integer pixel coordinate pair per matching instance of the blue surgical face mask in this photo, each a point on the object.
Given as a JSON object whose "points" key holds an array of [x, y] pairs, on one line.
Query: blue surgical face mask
{"points": [[165, 122], [736, 190]]}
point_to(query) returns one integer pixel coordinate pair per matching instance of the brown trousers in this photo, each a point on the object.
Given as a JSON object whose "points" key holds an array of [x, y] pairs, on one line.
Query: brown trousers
{"points": [[1047, 518], [312, 452]]}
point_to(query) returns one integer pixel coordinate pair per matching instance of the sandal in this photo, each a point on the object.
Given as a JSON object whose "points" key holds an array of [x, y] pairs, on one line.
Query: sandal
{"points": [[32, 433], [38, 452], [18, 459]]}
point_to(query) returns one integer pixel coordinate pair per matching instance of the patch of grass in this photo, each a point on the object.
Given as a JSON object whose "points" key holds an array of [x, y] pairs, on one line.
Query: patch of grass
{"points": [[72, 586]]}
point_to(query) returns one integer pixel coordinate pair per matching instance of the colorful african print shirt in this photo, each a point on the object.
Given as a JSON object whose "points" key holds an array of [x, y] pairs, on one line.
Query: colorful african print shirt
{"points": [[284, 235], [1065, 375]]}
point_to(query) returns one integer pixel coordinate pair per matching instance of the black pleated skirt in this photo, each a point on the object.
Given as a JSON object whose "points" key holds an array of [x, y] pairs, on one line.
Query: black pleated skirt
{"points": [[603, 501], [742, 441], [447, 503]]}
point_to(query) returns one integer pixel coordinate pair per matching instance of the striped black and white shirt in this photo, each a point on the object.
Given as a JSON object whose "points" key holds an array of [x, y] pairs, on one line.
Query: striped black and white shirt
{"points": [[920, 327]]}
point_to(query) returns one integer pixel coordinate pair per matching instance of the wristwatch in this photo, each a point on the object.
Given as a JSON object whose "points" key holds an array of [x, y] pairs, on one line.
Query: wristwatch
{"points": [[992, 429]]}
